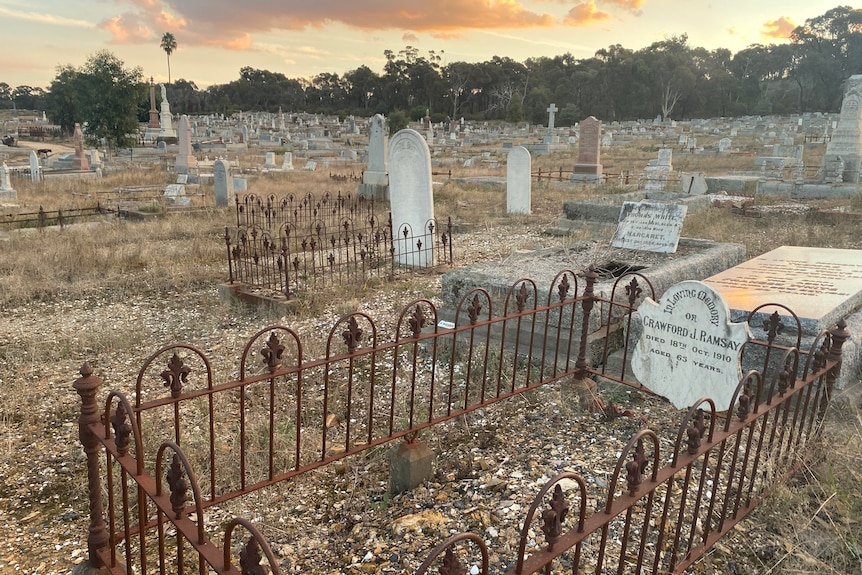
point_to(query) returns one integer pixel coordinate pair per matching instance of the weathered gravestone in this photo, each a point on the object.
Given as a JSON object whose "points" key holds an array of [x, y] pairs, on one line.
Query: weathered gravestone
{"points": [[287, 163], [589, 152], [412, 197], [518, 181], [648, 226], [842, 161], [689, 349], [693, 184], [269, 162], [6, 190], [186, 160], [223, 183], [375, 180], [80, 161]]}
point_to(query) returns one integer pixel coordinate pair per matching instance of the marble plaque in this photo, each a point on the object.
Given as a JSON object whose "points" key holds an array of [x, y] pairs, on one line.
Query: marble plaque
{"points": [[820, 285], [649, 226], [688, 348]]}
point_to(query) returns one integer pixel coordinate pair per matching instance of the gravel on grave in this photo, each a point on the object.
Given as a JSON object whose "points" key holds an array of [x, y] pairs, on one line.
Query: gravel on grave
{"points": [[337, 519]]}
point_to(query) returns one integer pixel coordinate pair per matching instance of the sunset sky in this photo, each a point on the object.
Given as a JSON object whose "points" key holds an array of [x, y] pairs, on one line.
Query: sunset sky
{"points": [[301, 38]]}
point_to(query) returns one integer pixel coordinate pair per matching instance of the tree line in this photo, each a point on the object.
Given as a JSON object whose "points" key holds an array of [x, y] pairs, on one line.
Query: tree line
{"points": [[668, 78]]}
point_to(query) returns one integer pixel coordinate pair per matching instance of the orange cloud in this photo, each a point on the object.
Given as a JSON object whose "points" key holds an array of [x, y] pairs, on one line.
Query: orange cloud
{"points": [[199, 19], [410, 37], [633, 6], [778, 29], [585, 13], [128, 29]]}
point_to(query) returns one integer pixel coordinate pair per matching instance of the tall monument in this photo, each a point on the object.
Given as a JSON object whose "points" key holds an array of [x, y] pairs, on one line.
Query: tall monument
{"points": [[167, 132]]}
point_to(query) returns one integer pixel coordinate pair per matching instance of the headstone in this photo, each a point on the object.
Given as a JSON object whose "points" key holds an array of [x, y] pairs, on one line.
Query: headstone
{"points": [[375, 173], [6, 190], [186, 160], [724, 145], [223, 183], [269, 162], [518, 181], [589, 153], [153, 126], [649, 226], [182, 178], [287, 163], [240, 184], [693, 184], [35, 168], [412, 196], [689, 349], [95, 158], [657, 171], [310, 166], [846, 141], [80, 161]]}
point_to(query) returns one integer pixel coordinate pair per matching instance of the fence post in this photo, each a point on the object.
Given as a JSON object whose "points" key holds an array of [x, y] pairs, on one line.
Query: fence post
{"points": [[839, 334], [87, 386], [590, 276]]}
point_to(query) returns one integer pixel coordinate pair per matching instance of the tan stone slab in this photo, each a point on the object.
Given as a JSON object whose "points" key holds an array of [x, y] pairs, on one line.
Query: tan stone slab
{"points": [[820, 285]]}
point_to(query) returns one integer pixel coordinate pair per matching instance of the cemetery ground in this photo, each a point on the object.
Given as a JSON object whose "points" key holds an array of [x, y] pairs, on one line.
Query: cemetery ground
{"points": [[111, 292]]}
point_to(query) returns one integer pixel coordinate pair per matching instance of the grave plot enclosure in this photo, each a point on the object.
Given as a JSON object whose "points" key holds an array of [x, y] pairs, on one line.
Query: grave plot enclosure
{"points": [[292, 244], [165, 450]]}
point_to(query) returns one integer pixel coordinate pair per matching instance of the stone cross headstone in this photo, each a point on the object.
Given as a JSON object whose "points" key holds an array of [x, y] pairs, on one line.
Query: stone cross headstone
{"points": [[689, 349], [589, 153], [412, 197], [518, 181], [35, 168], [648, 226], [186, 160], [80, 161], [552, 110], [223, 183]]}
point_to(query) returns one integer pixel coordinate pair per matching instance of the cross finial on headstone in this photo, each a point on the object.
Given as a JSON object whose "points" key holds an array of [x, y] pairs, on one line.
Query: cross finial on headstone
{"points": [[552, 109]]}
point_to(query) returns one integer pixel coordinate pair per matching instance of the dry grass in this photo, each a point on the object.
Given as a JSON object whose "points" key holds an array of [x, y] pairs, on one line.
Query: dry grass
{"points": [[814, 521]]}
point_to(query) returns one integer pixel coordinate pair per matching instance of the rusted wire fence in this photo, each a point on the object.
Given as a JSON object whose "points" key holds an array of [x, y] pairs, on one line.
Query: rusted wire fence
{"points": [[171, 456], [294, 244], [44, 218]]}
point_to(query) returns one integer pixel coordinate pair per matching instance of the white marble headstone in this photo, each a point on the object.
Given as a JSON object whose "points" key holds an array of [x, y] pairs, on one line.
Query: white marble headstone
{"points": [[649, 226], [223, 183], [689, 349], [518, 182], [412, 196], [35, 168]]}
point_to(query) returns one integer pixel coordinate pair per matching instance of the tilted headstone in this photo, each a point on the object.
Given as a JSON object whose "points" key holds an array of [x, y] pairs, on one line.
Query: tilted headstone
{"points": [[693, 184], [412, 196], [518, 181], [648, 226], [223, 183], [689, 349]]}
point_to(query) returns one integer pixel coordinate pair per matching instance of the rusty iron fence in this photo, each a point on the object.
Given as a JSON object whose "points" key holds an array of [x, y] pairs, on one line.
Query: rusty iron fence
{"points": [[44, 218], [293, 244], [165, 450]]}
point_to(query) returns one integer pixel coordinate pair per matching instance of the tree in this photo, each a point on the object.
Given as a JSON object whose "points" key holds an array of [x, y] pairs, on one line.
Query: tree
{"points": [[169, 44], [103, 95]]}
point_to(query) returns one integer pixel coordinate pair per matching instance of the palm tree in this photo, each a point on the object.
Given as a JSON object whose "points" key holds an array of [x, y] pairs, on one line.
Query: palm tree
{"points": [[169, 44]]}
